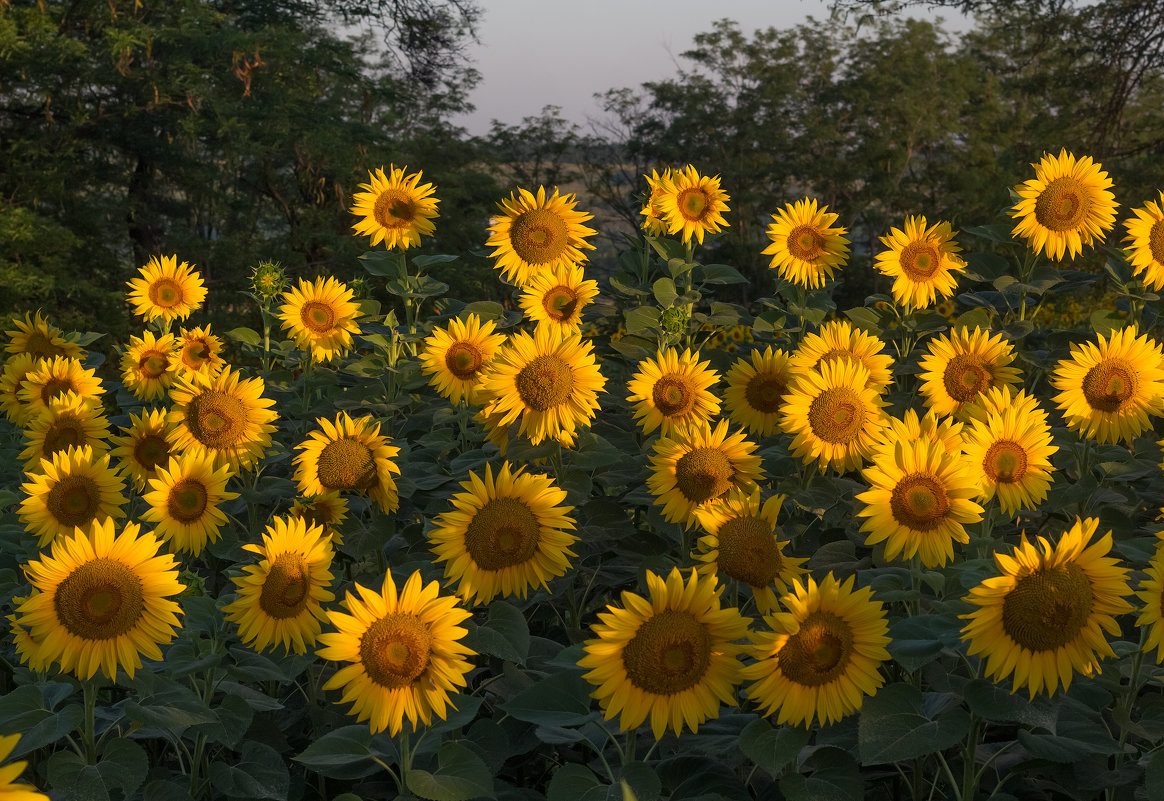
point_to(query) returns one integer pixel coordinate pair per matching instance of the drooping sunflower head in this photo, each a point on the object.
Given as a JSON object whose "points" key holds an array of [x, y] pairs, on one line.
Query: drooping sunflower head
{"points": [[536, 233], [327, 510], [70, 421], [1010, 454], [320, 317], [756, 390], [807, 248], [148, 363], [922, 261], [166, 290], [148, 443], [347, 455], [37, 337], [458, 357], [184, 499], [959, 367], [397, 209], [1145, 243], [198, 351], [693, 205], [222, 414], [1067, 205], [653, 222], [839, 340], [51, 378], [673, 389], [557, 297], [73, 489]]}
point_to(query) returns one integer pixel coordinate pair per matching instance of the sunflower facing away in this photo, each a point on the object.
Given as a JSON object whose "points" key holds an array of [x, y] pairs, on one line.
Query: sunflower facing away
{"points": [[1065, 206], [672, 658], [458, 357], [183, 501], [40, 339], [911, 427], [958, 368], [536, 233], [922, 261], [672, 389], [222, 414], [692, 204], [320, 317], [53, 378], [1145, 242], [348, 456], [199, 351], [806, 246], [839, 340], [504, 536], [822, 656], [166, 290], [326, 510], [1010, 453], [70, 421], [1108, 388], [73, 489], [756, 390], [997, 400], [1151, 592], [148, 363], [280, 599], [405, 652], [16, 369], [653, 222], [148, 443], [1044, 617], [834, 415], [101, 601], [10, 788], [397, 209], [557, 297]]}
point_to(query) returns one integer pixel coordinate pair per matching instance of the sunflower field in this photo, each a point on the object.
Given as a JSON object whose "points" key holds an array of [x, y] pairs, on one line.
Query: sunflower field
{"points": [[614, 538]]}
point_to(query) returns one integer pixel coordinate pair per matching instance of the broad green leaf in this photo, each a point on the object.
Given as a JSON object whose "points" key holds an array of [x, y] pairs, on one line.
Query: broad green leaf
{"points": [[893, 727], [424, 262], [570, 782], [720, 274], [1105, 320], [990, 702], [461, 775], [640, 318], [664, 291], [562, 699], [865, 318], [918, 640], [260, 772], [123, 765], [247, 336], [975, 318], [832, 775], [773, 749]]}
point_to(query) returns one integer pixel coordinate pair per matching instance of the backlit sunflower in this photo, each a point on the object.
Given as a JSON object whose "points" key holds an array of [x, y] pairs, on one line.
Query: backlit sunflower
{"points": [[73, 489], [348, 456], [1151, 592], [839, 340], [16, 369], [548, 382], [1108, 388], [1065, 206], [199, 351], [672, 658], [958, 368], [743, 544], [148, 363], [911, 427], [397, 209], [183, 501], [1145, 241], [756, 389], [1044, 617], [326, 510], [101, 601], [504, 536], [70, 421], [922, 261], [54, 377], [536, 234], [653, 223], [320, 317], [672, 389], [166, 290], [557, 297], [696, 465], [280, 599], [222, 414], [10, 788], [40, 339], [834, 415], [1010, 453], [997, 400], [692, 204], [457, 358], [148, 443], [920, 499], [806, 246], [405, 652], [822, 656]]}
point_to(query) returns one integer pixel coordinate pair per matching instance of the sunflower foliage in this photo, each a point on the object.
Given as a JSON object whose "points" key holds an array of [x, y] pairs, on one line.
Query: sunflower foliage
{"points": [[611, 538]]}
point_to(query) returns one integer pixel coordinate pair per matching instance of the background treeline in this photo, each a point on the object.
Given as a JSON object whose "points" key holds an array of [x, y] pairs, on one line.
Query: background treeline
{"points": [[230, 132]]}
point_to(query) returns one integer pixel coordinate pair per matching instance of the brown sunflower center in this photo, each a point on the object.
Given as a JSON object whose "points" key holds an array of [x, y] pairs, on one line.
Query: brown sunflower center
{"points": [[1005, 462], [55, 387], [919, 501], [748, 551], [394, 209], [919, 260], [41, 346], [99, 600], [187, 500], [67, 431], [503, 533], [561, 303], [673, 395], [704, 473], [152, 364], [544, 383], [286, 589], [837, 415], [151, 450], [195, 353], [216, 419], [965, 376], [316, 514], [1047, 609], [165, 293], [1110, 384], [1063, 204], [318, 318], [346, 464], [842, 354], [395, 649], [1156, 241], [694, 204], [74, 501], [539, 236], [805, 242], [765, 392], [464, 359], [818, 652], [668, 654]]}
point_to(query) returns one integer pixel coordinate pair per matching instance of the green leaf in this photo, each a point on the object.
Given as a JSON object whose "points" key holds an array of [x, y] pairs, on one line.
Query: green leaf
{"points": [[485, 309], [123, 765], [975, 318], [679, 266], [665, 293], [259, 773], [383, 263], [833, 776], [505, 634], [461, 775], [562, 699], [990, 702], [720, 274], [1104, 320], [1154, 775], [770, 748], [247, 336], [893, 727], [865, 318], [918, 640], [335, 753], [640, 318], [570, 782], [424, 262]]}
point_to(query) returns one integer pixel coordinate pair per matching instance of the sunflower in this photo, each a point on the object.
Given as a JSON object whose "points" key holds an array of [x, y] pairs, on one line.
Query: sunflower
{"points": [[958, 368], [1011, 455], [397, 209], [37, 337], [280, 600], [148, 443], [672, 390], [806, 247], [147, 365], [1108, 388], [536, 234], [101, 601], [183, 501], [695, 465], [10, 788], [16, 370], [654, 224], [672, 657], [742, 544], [834, 415], [1044, 617], [920, 499], [222, 414], [320, 317], [1151, 592], [70, 421], [54, 377], [549, 382], [1146, 243], [755, 391], [326, 510], [348, 456], [405, 652], [73, 489], [1065, 206], [692, 204], [911, 427], [840, 340], [822, 656], [997, 400], [458, 357], [922, 261], [166, 290], [198, 351], [557, 297]]}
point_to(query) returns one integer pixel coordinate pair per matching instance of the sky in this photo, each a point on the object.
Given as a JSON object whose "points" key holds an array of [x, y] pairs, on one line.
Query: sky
{"points": [[534, 53]]}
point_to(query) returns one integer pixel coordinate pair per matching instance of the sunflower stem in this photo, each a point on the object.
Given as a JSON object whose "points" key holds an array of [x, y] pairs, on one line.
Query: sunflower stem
{"points": [[405, 760], [87, 737], [969, 774]]}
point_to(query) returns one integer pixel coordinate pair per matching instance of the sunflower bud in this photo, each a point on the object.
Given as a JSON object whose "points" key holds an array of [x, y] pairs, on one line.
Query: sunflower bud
{"points": [[268, 280], [673, 321]]}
